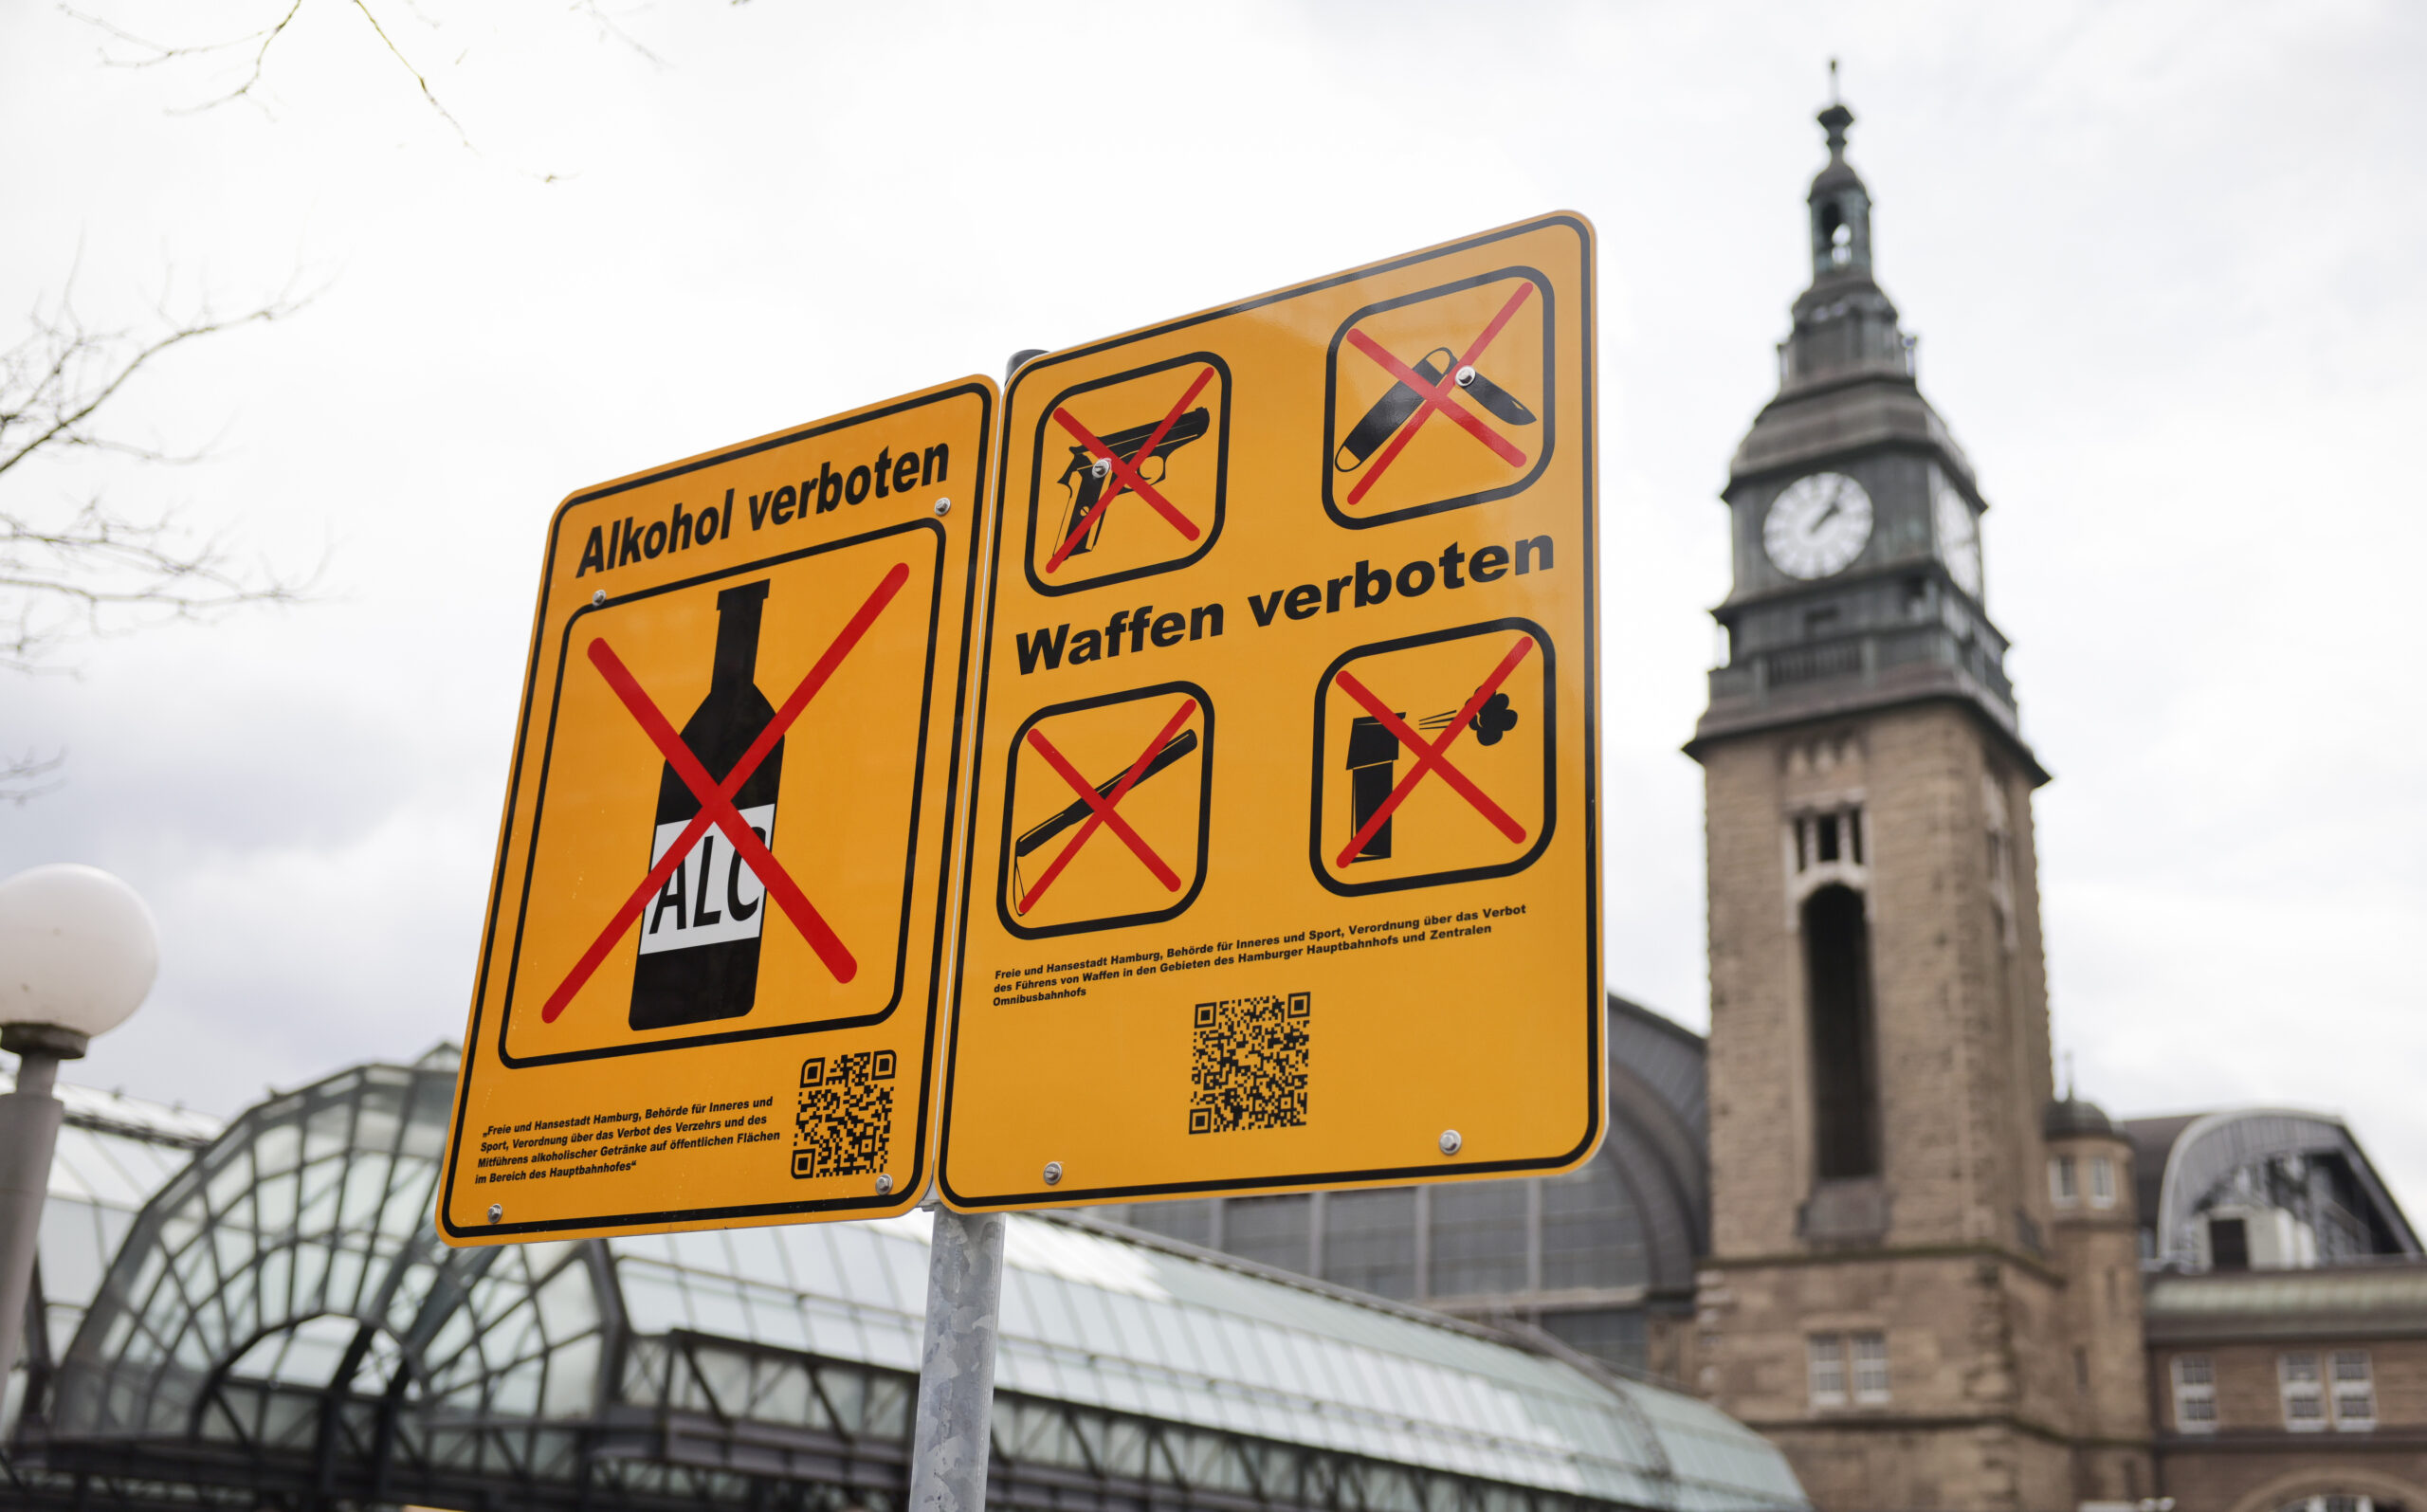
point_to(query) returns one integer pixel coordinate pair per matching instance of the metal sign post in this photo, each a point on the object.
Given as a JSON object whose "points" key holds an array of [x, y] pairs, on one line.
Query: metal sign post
{"points": [[954, 1437]]}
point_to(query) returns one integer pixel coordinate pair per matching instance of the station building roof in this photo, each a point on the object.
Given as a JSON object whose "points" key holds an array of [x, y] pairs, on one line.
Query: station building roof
{"points": [[281, 1319]]}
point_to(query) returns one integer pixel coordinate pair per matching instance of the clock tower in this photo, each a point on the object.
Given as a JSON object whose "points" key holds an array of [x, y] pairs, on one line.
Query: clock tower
{"points": [[1883, 1296]]}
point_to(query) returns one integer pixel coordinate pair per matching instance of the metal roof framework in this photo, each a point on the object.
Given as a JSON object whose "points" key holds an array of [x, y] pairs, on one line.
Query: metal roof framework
{"points": [[283, 1326], [2199, 1154]]}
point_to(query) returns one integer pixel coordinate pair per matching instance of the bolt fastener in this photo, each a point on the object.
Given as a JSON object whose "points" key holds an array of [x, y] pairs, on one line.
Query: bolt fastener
{"points": [[598, 597], [1100, 468], [1450, 1142], [1467, 376], [1052, 1172], [883, 1185], [497, 1211], [944, 506]]}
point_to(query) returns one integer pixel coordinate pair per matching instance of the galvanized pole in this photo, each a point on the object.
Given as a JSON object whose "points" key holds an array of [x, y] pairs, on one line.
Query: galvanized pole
{"points": [[29, 1119], [949, 1452], [954, 1436]]}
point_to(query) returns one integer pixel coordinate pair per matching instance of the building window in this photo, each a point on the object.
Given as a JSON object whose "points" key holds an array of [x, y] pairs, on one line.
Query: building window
{"points": [[2304, 1400], [1481, 1232], [2355, 1392], [1828, 1355], [2102, 1181], [1369, 1240], [1836, 952], [1830, 838], [2195, 1394], [2061, 1188], [1870, 1367], [1834, 1383]]}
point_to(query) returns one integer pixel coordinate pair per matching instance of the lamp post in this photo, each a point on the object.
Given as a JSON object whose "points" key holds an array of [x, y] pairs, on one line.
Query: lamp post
{"points": [[78, 952]]}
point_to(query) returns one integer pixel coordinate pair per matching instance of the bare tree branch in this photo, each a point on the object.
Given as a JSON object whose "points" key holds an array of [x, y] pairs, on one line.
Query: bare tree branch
{"points": [[151, 53], [27, 778], [91, 569]]}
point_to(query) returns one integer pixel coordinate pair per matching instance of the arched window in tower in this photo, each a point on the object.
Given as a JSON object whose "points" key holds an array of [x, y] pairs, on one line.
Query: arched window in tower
{"points": [[1839, 235], [1845, 1087]]}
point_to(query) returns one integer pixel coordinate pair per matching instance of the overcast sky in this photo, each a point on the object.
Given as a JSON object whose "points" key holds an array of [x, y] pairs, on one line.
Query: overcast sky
{"points": [[2165, 261]]}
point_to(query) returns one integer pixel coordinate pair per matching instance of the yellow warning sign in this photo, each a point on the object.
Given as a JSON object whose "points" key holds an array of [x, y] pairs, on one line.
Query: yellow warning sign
{"points": [[1354, 940], [708, 986]]}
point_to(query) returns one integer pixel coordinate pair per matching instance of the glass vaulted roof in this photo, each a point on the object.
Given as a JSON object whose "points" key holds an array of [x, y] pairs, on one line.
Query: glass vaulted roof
{"points": [[282, 1319], [113, 1153]]}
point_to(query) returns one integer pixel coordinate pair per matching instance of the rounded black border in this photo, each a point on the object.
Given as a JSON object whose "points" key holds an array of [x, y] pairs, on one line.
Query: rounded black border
{"points": [[905, 1194], [910, 867], [1550, 399], [1204, 809], [1550, 762], [1596, 1007], [1221, 478]]}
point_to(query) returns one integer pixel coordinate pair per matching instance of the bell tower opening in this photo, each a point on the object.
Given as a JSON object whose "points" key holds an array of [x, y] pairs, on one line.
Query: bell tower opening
{"points": [[1840, 206], [1845, 1079]]}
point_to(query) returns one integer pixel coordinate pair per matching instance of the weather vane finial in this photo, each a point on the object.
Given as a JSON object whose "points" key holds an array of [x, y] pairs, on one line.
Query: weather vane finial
{"points": [[1832, 82]]}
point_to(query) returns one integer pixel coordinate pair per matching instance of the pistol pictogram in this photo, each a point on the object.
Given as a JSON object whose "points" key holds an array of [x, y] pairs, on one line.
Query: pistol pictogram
{"points": [[1088, 474]]}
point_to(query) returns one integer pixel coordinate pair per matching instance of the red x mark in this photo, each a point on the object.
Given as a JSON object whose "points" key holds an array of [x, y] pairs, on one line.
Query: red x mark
{"points": [[1438, 397], [715, 802], [1429, 758], [1126, 473], [1103, 806]]}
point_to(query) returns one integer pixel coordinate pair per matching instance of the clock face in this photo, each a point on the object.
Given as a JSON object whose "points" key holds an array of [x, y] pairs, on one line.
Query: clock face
{"points": [[1818, 526], [1958, 536]]}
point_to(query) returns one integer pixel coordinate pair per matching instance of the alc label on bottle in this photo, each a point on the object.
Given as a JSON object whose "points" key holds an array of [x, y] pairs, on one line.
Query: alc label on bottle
{"points": [[713, 896]]}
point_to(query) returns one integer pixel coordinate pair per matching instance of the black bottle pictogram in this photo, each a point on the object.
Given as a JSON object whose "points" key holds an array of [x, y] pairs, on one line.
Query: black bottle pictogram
{"points": [[699, 953]]}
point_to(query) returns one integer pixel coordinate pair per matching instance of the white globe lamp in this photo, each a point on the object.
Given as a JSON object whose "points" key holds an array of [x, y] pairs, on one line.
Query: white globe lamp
{"points": [[78, 954]]}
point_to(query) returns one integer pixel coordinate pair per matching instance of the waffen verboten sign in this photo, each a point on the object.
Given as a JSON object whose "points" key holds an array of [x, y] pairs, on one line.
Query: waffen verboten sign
{"points": [[707, 990], [1283, 857]]}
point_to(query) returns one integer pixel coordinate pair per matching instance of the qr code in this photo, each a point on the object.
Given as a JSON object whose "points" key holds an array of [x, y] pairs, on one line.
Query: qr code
{"points": [[846, 1114], [1250, 1063]]}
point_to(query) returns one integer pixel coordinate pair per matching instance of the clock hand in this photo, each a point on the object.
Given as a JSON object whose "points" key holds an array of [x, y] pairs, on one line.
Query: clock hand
{"points": [[1825, 516]]}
